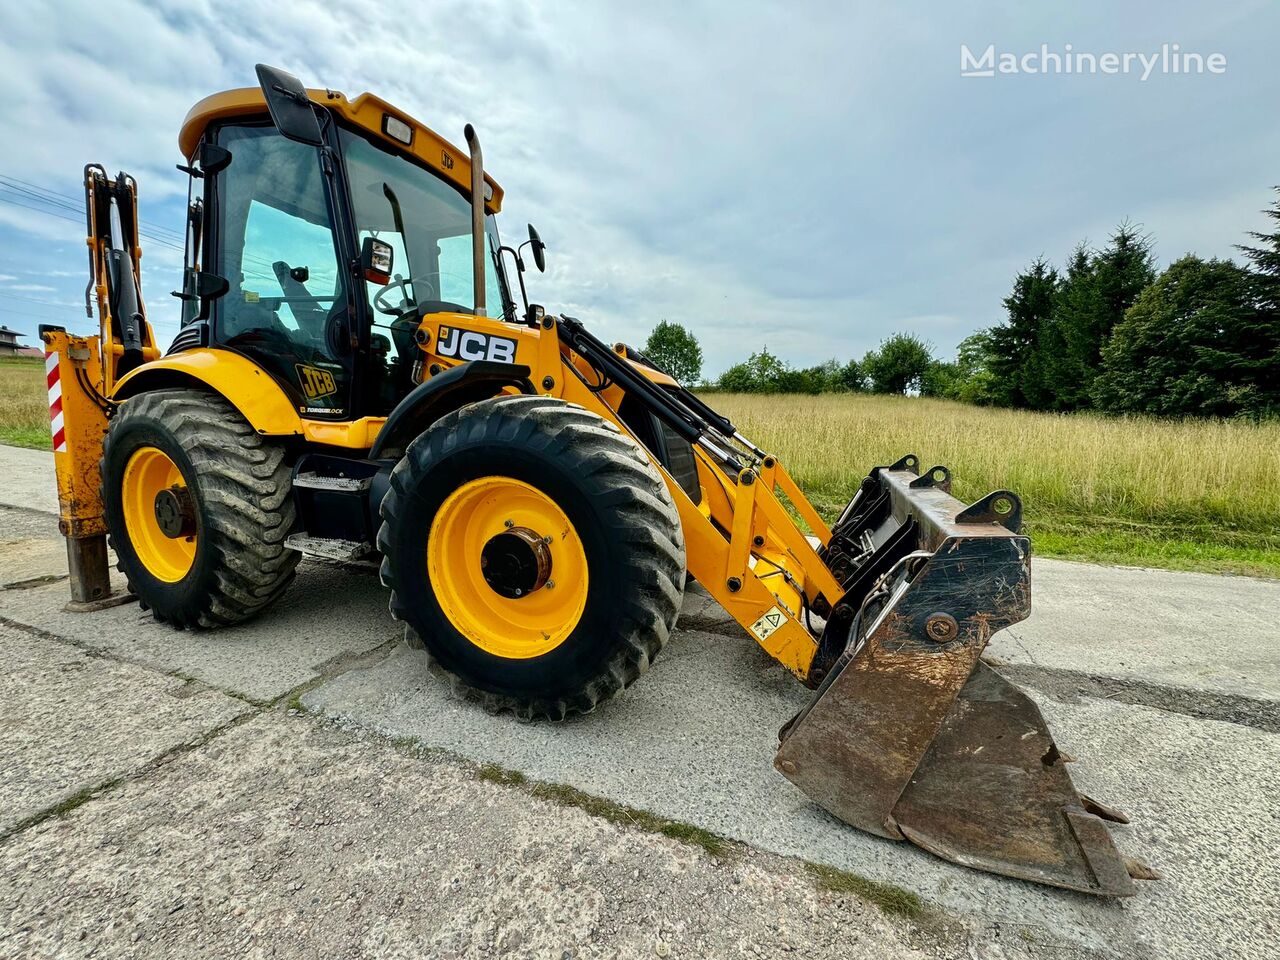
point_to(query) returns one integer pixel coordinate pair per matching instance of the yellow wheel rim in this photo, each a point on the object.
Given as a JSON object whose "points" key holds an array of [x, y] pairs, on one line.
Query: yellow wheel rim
{"points": [[149, 472], [516, 628]]}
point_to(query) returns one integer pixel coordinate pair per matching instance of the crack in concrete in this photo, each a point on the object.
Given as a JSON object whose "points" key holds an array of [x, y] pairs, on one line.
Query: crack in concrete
{"points": [[333, 667], [1022, 646], [88, 794], [336, 666], [1070, 686], [101, 653], [326, 670], [35, 582]]}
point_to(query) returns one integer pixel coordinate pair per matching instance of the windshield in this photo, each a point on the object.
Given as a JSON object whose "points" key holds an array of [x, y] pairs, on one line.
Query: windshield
{"points": [[427, 222]]}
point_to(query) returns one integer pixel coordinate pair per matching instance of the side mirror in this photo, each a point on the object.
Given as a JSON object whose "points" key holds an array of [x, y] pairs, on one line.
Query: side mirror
{"points": [[202, 288], [290, 107], [213, 158], [538, 249], [376, 260]]}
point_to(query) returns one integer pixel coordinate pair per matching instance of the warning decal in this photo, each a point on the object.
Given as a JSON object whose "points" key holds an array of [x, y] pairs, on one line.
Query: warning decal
{"points": [[770, 622]]}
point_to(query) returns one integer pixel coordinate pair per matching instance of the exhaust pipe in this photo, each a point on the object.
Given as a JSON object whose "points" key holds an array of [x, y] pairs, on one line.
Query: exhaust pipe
{"points": [[477, 218]]}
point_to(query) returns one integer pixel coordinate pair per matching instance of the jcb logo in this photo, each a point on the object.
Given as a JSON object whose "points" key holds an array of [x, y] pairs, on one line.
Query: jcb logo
{"points": [[469, 345], [316, 383]]}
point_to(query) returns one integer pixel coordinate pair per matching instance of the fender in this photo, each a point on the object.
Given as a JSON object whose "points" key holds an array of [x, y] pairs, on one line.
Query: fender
{"points": [[244, 384], [444, 393]]}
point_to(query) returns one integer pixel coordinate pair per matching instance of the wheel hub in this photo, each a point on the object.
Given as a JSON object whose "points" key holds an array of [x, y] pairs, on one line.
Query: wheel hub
{"points": [[175, 512], [516, 562], [490, 552]]}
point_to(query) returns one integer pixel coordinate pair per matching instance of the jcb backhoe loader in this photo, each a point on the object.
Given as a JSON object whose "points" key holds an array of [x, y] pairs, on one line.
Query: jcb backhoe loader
{"points": [[354, 378]]}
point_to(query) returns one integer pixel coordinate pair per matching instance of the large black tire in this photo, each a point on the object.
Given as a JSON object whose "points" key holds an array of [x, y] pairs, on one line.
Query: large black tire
{"points": [[240, 487], [622, 513]]}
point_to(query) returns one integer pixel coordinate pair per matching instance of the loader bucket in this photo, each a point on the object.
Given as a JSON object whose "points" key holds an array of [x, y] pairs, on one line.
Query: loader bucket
{"points": [[909, 735]]}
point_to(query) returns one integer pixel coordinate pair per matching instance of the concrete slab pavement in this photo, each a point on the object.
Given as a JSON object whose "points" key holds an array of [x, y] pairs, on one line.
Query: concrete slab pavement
{"points": [[1197, 631], [1194, 630], [694, 741], [23, 561], [70, 722], [283, 838], [26, 479], [331, 614]]}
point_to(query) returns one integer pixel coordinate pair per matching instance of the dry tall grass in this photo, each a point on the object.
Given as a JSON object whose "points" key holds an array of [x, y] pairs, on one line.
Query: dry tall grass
{"points": [[1207, 484], [24, 402]]}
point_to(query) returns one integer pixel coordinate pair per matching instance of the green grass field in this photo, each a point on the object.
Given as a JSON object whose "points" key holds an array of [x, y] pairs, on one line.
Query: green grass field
{"points": [[1195, 495], [24, 403], [1199, 495]]}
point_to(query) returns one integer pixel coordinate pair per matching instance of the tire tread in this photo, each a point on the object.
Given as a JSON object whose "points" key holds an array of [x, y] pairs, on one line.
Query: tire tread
{"points": [[244, 482], [621, 475]]}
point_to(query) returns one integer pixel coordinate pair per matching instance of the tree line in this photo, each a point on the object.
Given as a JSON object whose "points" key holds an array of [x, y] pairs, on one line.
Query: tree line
{"points": [[1107, 331]]}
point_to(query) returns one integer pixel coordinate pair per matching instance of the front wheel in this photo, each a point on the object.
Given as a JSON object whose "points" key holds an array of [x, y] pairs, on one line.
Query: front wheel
{"points": [[534, 552]]}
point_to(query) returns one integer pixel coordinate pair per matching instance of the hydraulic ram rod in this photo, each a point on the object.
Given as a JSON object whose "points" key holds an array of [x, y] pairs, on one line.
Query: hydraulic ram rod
{"points": [[667, 407]]}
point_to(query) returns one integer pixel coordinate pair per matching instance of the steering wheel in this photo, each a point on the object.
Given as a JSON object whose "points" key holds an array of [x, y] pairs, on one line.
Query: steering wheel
{"points": [[383, 305]]}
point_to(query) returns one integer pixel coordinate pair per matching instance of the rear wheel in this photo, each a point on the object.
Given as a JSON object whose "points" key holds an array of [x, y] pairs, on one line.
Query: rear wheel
{"points": [[197, 507], [535, 554]]}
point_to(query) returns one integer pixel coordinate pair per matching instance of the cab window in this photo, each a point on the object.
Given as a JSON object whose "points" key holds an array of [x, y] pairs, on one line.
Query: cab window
{"points": [[286, 304], [427, 222]]}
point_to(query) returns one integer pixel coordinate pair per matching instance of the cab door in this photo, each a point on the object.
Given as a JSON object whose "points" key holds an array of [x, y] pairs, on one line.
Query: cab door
{"points": [[287, 306]]}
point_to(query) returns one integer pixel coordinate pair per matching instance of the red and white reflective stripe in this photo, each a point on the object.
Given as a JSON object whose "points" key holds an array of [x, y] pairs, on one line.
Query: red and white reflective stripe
{"points": [[54, 380]]}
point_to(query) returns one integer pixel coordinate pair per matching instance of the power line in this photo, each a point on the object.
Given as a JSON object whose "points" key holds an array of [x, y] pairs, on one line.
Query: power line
{"points": [[41, 198], [43, 210], [162, 241], [75, 204], [58, 205], [51, 203], [9, 312], [47, 303]]}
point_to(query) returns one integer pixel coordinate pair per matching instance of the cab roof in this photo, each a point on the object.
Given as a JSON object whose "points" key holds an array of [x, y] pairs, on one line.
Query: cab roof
{"points": [[366, 112]]}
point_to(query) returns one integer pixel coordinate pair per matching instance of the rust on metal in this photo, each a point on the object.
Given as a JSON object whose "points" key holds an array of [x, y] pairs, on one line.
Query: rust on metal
{"points": [[985, 796], [911, 736], [941, 627], [73, 368]]}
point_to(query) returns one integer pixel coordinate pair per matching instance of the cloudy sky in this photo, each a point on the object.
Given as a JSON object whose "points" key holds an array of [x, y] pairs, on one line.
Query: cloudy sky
{"points": [[808, 177]]}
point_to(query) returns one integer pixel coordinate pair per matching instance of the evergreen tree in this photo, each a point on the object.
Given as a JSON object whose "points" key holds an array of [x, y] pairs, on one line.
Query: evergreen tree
{"points": [[1098, 289], [1266, 259], [1197, 342], [1012, 344]]}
